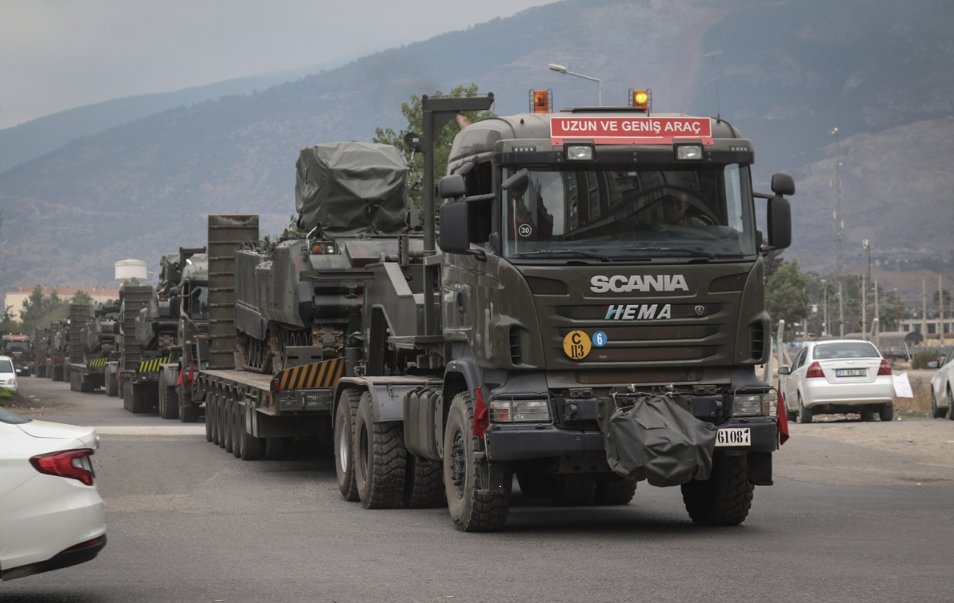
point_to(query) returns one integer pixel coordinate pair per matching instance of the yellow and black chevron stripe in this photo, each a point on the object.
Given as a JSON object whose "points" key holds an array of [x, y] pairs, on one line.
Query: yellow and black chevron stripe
{"points": [[311, 376], [97, 362], [152, 366]]}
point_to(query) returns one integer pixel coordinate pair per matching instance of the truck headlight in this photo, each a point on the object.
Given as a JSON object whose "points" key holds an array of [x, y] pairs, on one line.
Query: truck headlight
{"points": [[755, 405], [519, 411]]}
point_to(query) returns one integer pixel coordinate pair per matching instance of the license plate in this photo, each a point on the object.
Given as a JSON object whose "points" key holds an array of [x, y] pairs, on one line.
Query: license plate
{"points": [[734, 436], [850, 372]]}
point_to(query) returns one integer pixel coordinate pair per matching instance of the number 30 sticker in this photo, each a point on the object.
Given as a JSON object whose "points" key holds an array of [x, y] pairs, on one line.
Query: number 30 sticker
{"points": [[577, 345]]}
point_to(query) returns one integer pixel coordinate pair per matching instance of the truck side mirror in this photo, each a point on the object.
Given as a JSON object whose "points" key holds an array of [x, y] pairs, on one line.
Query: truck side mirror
{"points": [[455, 226], [779, 222], [451, 187], [783, 184]]}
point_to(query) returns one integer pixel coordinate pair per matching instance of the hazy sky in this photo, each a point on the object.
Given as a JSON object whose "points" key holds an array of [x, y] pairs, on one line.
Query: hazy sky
{"points": [[59, 54]]}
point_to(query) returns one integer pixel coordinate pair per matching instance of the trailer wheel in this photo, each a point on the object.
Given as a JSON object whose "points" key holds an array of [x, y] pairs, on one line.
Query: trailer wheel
{"points": [[209, 417], [423, 483], [344, 443], [725, 498], [379, 459], [471, 509], [236, 428], [227, 422], [217, 421], [251, 448], [618, 491]]}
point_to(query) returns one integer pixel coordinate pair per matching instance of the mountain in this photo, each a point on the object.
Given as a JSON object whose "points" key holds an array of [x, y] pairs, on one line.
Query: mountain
{"points": [[37, 137], [784, 72]]}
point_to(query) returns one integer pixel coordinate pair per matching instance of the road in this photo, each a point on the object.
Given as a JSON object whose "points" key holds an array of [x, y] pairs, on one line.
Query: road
{"points": [[859, 512]]}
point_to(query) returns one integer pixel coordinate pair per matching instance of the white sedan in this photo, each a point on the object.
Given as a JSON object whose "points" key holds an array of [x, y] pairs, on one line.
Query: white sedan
{"points": [[838, 376], [51, 515], [942, 387]]}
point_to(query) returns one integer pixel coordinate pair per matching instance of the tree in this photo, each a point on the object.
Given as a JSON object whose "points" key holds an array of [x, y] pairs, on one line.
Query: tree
{"points": [[40, 310], [81, 297], [414, 114], [787, 297]]}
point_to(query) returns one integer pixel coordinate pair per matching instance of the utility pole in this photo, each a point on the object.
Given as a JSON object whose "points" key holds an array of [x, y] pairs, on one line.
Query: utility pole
{"points": [[841, 311], [924, 330], [838, 224], [864, 308], [877, 316], [940, 305]]}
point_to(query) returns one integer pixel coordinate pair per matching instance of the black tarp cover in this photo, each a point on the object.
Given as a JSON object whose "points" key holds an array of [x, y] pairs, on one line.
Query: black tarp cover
{"points": [[351, 188], [659, 441]]}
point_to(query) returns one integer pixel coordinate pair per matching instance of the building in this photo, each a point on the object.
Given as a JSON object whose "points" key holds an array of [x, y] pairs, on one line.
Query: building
{"points": [[14, 299]]}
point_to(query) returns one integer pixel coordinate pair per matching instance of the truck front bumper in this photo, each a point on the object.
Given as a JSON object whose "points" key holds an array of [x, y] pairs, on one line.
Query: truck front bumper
{"points": [[527, 442]]}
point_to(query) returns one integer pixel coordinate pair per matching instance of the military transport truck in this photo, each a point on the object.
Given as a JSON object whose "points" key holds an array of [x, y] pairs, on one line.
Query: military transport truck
{"points": [[95, 330], [593, 318], [20, 349], [296, 305], [184, 283], [138, 393]]}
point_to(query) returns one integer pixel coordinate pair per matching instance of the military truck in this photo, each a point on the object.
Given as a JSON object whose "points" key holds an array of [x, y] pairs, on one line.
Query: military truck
{"points": [[593, 318], [19, 348], [59, 342], [290, 312], [133, 367], [184, 284], [95, 329]]}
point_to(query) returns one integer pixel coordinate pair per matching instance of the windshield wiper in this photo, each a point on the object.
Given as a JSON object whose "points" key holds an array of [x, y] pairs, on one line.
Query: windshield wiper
{"points": [[564, 253], [696, 253]]}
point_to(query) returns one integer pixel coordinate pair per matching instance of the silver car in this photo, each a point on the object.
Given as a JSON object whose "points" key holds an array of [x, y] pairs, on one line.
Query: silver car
{"points": [[838, 376], [942, 387]]}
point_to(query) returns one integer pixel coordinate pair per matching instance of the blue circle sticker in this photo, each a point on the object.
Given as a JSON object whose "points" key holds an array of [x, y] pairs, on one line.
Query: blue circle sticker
{"points": [[599, 339]]}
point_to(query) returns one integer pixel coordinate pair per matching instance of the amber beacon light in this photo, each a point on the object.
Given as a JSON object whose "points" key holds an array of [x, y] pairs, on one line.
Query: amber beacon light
{"points": [[640, 99], [540, 101]]}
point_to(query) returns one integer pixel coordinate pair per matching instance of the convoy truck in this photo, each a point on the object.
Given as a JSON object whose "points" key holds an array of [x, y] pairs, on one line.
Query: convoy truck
{"points": [[20, 349], [133, 367], [599, 273], [92, 342], [41, 351]]}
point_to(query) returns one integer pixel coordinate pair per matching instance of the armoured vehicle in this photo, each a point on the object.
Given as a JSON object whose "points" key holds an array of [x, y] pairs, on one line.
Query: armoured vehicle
{"points": [[305, 291], [93, 345], [296, 305], [599, 272]]}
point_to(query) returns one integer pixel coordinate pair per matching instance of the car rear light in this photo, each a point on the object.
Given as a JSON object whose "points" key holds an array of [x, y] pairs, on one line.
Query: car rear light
{"points": [[814, 371], [885, 368], [72, 464]]}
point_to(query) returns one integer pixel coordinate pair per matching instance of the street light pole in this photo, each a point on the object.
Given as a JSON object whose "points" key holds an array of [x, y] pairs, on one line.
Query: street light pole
{"points": [[599, 84]]}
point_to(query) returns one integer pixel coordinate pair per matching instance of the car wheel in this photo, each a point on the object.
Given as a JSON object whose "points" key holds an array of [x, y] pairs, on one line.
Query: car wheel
{"points": [[935, 411], [886, 412], [950, 404], [867, 415], [804, 414]]}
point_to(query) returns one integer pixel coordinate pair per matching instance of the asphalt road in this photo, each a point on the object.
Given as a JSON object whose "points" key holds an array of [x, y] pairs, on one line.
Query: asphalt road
{"points": [[859, 512]]}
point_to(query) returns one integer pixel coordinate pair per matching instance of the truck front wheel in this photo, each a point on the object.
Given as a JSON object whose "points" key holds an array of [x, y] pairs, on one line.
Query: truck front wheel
{"points": [[725, 498], [473, 507]]}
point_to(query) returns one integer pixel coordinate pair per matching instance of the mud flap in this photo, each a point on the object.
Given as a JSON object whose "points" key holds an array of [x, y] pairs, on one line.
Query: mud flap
{"points": [[657, 440]]}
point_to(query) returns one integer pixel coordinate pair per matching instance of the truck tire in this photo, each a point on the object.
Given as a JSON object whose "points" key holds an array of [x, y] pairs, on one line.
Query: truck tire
{"points": [[615, 492], [112, 385], [379, 459], [725, 498], [138, 403], [227, 422], [344, 443], [250, 447], [217, 417], [209, 417], [168, 401], [423, 483], [471, 509], [188, 411]]}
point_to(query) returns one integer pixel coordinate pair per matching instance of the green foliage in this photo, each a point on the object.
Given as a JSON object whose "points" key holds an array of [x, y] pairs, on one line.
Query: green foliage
{"points": [[6, 396], [787, 297], [40, 310], [81, 297], [921, 359], [414, 114]]}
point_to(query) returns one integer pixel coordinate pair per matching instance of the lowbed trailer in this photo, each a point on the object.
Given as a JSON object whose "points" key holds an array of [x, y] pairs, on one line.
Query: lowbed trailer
{"points": [[247, 412]]}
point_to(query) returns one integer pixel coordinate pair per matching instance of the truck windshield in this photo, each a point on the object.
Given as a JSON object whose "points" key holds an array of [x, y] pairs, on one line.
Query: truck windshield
{"points": [[632, 212]]}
